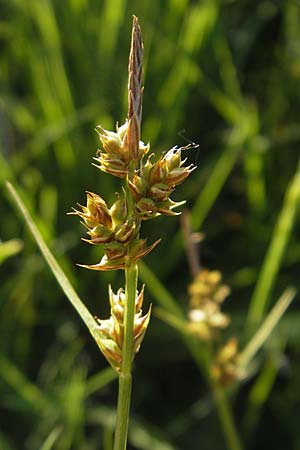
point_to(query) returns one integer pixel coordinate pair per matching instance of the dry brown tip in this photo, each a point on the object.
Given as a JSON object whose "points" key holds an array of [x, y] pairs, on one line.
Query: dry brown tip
{"points": [[135, 90], [191, 246]]}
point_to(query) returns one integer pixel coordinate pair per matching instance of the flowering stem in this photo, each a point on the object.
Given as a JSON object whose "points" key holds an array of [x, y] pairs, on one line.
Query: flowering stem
{"points": [[203, 357], [225, 416], [125, 377]]}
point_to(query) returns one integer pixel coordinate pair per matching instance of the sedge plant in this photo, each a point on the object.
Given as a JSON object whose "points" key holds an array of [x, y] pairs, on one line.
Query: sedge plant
{"points": [[205, 23], [222, 363], [145, 194], [147, 185]]}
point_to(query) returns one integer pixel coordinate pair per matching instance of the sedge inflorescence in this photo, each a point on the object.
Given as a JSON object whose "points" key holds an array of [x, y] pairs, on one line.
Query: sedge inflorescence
{"points": [[207, 293], [148, 191], [148, 184], [206, 320], [112, 329]]}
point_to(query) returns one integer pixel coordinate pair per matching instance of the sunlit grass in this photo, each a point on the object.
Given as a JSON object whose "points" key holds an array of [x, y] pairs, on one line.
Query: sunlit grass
{"points": [[227, 73]]}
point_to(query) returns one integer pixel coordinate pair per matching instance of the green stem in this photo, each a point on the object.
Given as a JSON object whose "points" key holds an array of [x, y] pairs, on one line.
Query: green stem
{"points": [[274, 256], [203, 357], [225, 416], [125, 377]]}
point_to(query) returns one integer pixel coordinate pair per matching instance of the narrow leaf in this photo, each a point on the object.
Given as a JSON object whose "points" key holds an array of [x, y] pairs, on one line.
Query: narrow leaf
{"points": [[267, 327], [101, 379], [51, 439], [275, 253], [54, 266], [10, 248], [158, 290], [28, 391]]}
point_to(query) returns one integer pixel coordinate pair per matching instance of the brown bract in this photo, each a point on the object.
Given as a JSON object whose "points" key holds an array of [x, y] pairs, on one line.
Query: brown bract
{"points": [[116, 254], [135, 91]]}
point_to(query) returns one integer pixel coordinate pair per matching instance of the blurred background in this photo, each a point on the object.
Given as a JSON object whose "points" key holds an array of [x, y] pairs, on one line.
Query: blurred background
{"points": [[223, 74]]}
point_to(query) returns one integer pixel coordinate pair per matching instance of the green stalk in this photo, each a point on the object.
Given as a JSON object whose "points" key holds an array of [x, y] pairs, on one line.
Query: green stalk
{"points": [[203, 358], [225, 416], [125, 377], [274, 256], [170, 314], [224, 409]]}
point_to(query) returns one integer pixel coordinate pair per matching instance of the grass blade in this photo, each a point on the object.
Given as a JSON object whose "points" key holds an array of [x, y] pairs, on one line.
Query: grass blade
{"points": [[28, 391], [275, 253], [260, 392], [54, 266], [51, 439], [158, 290], [214, 184], [99, 380], [10, 248], [267, 327]]}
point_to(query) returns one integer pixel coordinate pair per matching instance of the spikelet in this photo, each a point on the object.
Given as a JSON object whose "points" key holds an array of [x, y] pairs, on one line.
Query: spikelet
{"points": [[225, 366], [111, 331], [114, 157], [135, 93], [153, 184], [206, 295]]}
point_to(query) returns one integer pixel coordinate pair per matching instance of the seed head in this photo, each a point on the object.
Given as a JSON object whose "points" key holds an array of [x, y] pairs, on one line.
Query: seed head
{"points": [[206, 294], [135, 91], [114, 157], [148, 182], [96, 218], [225, 367], [155, 181], [111, 331]]}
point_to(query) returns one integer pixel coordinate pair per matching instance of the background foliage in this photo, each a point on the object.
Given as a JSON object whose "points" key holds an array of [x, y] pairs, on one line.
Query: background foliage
{"points": [[224, 74]]}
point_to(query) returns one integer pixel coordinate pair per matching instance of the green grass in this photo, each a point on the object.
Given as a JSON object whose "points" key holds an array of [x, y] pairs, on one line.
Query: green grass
{"points": [[227, 73]]}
